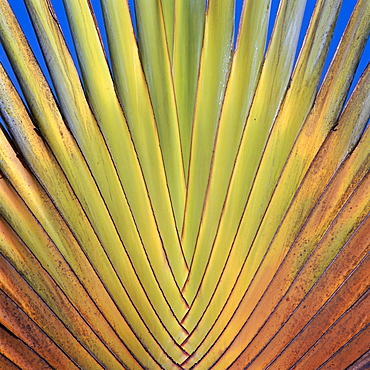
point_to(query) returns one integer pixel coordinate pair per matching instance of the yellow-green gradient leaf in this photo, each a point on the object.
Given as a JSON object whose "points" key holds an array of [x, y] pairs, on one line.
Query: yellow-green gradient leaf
{"points": [[168, 10], [44, 209], [336, 147], [349, 175], [239, 94], [174, 195], [213, 76], [216, 237], [244, 74], [155, 59], [188, 41], [109, 114], [84, 186], [239, 252], [134, 97]]}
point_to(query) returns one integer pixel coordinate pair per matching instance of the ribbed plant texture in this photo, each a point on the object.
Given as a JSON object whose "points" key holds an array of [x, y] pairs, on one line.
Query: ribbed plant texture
{"points": [[179, 201]]}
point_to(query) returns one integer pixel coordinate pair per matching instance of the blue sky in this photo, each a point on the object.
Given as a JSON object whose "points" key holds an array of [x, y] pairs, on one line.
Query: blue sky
{"points": [[344, 15]]}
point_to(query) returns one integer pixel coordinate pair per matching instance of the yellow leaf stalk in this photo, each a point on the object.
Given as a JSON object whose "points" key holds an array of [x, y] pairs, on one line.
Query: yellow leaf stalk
{"points": [[180, 200]]}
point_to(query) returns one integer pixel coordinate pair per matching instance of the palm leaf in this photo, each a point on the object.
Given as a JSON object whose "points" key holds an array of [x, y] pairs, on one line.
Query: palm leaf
{"points": [[174, 201]]}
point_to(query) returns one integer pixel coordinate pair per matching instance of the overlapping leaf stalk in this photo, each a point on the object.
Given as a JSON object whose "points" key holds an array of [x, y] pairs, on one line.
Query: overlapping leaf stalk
{"points": [[190, 203]]}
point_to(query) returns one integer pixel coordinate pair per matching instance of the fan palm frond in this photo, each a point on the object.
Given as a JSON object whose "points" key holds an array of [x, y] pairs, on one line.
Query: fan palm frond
{"points": [[174, 201]]}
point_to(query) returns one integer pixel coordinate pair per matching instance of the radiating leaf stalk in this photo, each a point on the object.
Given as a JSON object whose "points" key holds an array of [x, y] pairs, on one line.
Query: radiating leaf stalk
{"points": [[351, 281], [16, 253], [213, 75], [197, 206], [349, 175], [49, 119], [54, 180], [168, 10], [320, 172], [85, 187], [134, 97], [273, 152], [345, 327], [6, 363], [349, 220], [188, 40], [239, 93], [26, 226], [352, 354], [351, 172], [335, 148], [18, 352], [225, 219], [51, 221], [229, 278], [109, 114], [157, 67], [98, 217], [349, 292]]}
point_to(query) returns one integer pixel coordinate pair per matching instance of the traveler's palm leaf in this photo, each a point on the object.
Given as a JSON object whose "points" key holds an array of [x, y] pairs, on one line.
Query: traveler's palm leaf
{"points": [[189, 204]]}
